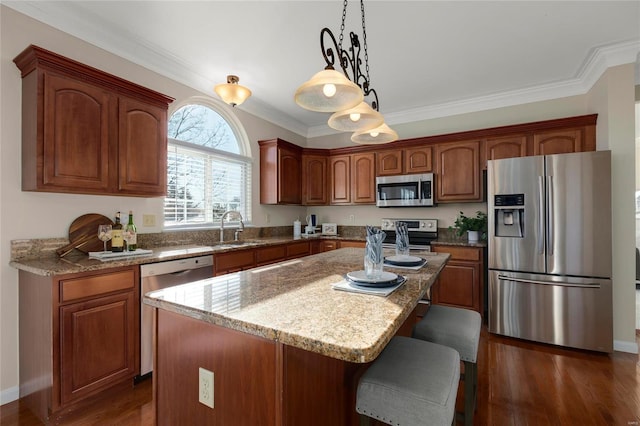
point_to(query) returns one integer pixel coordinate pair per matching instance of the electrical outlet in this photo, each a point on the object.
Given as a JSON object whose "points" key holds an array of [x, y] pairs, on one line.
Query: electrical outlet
{"points": [[148, 220], [205, 387], [267, 218], [352, 218]]}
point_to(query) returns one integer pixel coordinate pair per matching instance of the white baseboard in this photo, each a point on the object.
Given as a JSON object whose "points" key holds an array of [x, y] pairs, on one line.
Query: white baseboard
{"points": [[9, 395], [624, 346]]}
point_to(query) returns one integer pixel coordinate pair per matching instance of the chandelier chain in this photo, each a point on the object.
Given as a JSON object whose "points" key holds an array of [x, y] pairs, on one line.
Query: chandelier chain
{"points": [[344, 15], [364, 40]]}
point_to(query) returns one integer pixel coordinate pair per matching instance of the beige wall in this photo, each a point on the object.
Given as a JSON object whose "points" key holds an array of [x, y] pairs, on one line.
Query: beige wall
{"points": [[612, 97], [25, 215]]}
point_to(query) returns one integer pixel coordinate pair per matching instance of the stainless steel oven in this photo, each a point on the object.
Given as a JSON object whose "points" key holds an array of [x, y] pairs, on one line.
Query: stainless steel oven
{"points": [[405, 190], [421, 232]]}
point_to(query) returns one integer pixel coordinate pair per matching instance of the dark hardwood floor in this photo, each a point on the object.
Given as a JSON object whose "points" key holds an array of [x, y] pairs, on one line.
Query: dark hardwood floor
{"points": [[520, 383]]}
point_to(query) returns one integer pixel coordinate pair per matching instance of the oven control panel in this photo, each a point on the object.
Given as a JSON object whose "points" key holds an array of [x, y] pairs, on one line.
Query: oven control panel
{"points": [[422, 225]]}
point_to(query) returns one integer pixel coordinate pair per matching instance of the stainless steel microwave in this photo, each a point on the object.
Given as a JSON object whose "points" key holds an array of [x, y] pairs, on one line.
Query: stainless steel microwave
{"points": [[405, 190]]}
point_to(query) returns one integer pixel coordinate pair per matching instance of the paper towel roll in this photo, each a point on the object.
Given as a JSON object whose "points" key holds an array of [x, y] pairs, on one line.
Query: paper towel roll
{"points": [[296, 229]]}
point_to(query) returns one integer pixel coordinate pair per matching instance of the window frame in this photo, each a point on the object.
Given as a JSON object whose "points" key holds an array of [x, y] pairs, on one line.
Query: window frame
{"points": [[244, 156]]}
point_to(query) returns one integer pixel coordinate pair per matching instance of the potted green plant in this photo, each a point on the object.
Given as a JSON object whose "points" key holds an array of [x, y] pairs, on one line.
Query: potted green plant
{"points": [[475, 227]]}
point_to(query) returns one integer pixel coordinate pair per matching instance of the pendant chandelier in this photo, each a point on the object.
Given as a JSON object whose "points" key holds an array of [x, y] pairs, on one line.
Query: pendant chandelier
{"points": [[345, 93]]}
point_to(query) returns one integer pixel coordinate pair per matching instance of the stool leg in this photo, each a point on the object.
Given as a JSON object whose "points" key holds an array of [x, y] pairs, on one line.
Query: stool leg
{"points": [[470, 389]]}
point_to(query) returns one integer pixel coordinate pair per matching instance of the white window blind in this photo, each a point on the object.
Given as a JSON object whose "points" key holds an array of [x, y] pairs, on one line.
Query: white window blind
{"points": [[203, 183]]}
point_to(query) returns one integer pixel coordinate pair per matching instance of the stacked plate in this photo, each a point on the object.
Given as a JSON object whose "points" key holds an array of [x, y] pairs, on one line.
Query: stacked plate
{"points": [[404, 260], [386, 279]]}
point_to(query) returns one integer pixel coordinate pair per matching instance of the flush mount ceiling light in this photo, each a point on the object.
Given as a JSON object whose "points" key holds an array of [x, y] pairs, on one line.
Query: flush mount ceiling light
{"points": [[344, 93], [231, 92]]}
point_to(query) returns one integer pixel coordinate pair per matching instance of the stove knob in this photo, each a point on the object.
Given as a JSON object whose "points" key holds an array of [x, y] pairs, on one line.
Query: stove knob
{"points": [[429, 225]]}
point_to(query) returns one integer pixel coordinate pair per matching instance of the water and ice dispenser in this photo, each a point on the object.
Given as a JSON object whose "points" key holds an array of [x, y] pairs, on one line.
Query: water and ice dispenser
{"points": [[509, 215]]}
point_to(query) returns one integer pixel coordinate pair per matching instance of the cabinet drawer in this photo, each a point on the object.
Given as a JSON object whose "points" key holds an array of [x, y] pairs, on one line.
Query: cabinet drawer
{"points": [[94, 285], [298, 249], [270, 254], [356, 244], [234, 261], [472, 254]]}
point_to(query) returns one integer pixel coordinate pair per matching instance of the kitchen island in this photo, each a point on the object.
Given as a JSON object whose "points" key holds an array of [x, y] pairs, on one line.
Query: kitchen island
{"points": [[284, 346]]}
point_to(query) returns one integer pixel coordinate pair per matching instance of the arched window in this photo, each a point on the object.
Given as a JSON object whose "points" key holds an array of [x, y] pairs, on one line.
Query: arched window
{"points": [[208, 167]]}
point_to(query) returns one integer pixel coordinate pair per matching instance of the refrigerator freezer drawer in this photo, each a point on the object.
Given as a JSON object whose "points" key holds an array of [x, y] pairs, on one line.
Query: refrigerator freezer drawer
{"points": [[574, 312]]}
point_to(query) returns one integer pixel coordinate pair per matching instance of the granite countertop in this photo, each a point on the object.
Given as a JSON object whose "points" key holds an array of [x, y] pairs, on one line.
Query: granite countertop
{"points": [[450, 238], [75, 262], [293, 302]]}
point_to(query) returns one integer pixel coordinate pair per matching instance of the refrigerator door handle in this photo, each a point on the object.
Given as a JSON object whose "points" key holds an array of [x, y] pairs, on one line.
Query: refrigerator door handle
{"points": [[521, 280], [550, 213], [540, 215]]}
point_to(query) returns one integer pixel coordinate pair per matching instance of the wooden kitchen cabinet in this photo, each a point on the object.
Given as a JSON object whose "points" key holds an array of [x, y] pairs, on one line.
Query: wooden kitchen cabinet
{"points": [[270, 254], [298, 249], [558, 142], [504, 147], [280, 172], [234, 261], [405, 161], [461, 282], [353, 179], [458, 168], [389, 163], [315, 180], [357, 244], [88, 132], [79, 336]]}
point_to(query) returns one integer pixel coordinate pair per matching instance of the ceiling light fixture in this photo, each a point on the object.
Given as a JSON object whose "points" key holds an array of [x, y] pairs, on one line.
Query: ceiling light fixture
{"points": [[231, 92], [344, 93]]}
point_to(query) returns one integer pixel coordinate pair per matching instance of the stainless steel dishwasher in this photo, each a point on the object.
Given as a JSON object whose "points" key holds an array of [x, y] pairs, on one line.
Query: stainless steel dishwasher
{"points": [[156, 276]]}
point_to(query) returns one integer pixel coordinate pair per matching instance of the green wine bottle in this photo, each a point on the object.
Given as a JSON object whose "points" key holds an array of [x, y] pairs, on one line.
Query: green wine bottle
{"points": [[132, 233]]}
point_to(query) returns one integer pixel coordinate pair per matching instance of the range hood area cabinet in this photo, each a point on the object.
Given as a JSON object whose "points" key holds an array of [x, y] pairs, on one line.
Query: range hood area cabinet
{"points": [[88, 132], [280, 172]]}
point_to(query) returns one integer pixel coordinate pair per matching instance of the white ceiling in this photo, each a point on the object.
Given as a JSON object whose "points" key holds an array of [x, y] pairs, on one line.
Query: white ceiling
{"points": [[427, 58]]}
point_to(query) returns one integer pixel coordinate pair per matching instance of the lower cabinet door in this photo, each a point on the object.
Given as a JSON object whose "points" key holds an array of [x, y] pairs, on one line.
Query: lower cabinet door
{"points": [[458, 285], [98, 341]]}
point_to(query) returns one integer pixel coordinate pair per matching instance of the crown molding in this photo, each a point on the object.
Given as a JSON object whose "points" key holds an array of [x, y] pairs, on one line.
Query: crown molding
{"points": [[63, 16]]}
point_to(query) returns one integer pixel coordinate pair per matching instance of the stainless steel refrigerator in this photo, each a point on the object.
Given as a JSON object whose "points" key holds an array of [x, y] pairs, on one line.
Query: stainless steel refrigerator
{"points": [[550, 249]]}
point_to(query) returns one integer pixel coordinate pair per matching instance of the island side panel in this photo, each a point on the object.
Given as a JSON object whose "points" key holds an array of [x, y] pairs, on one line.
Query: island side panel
{"points": [[245, 374], [320, 390]]}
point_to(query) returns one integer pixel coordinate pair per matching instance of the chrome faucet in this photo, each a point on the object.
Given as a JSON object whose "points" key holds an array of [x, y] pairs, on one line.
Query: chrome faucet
{"points": [[240, 227]]}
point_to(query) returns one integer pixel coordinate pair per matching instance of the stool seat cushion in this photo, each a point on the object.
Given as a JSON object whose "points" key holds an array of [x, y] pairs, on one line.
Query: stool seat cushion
{"points": [[454, 327], [412, 382]]}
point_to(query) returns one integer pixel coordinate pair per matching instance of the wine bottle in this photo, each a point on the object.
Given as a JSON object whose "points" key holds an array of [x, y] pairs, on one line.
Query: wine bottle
{"points": [[117, 242], [132, 234]]}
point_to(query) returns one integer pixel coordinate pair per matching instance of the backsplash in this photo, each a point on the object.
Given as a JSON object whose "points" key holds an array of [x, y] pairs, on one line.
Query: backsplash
{"points": [[35, 248]]}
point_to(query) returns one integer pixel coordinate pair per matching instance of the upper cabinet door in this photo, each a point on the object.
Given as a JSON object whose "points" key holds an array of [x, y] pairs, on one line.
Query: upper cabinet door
{"points": [[389, 163], [557, 142], [363, 178], [458, 172], [289, 187], [142, 148], [505, 147], [314, 180], [340, 173], [418, 160], [76, 134]]}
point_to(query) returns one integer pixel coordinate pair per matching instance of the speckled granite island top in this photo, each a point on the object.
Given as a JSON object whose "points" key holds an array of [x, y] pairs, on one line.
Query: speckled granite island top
{"points": [[292, 302]]}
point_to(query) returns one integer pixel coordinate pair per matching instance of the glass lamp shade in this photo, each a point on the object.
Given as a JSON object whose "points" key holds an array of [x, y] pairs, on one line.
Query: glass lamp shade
{"points": [[379, 135], [360, 118], [231, 92], [328, 91]]}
